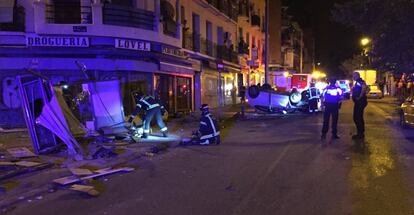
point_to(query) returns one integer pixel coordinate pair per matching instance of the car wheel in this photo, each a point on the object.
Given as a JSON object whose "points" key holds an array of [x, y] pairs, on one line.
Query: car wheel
{"points": [[403, 123], [254, 91], [295, 97]]}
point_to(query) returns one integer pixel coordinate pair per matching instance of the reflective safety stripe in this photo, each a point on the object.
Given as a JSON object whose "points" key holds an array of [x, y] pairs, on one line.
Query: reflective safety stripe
{"points": [[206, 142], [164, 129], [146, 131], [212, 123], [209, 136], [150, 106], [203, 123], [332, 92]]}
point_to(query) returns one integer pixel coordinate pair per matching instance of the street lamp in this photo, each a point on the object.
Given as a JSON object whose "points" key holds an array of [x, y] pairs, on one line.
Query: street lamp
{"points": [[365, 41]]}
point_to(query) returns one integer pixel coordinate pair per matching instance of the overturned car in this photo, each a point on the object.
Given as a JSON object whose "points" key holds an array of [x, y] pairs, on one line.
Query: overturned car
{"points": [[267, 100]]}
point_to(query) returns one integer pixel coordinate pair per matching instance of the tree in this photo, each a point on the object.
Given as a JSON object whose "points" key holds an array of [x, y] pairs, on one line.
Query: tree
{"points": [[352, 64], [390, 25]]}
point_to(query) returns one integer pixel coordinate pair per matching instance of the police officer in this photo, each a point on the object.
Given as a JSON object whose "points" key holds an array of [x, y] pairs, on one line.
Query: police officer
{"points": [[332, 100], [313, 94], [152, 109], [209, 131], [359, 96]]}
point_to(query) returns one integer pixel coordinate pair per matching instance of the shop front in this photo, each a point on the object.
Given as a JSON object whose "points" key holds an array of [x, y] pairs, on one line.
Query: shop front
{"points": [[210, 86]]}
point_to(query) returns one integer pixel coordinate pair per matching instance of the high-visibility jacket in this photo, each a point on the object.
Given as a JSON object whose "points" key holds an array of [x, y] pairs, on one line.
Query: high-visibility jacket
{"points": [[332, 94], [208, 127], [145, 103], [313, 93]]}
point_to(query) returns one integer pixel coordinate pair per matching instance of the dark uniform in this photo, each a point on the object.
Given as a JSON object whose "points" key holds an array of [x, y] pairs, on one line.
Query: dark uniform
{"points": [[360, 102], [331, 99], [209, 131], [313, 94], [152, 109]]}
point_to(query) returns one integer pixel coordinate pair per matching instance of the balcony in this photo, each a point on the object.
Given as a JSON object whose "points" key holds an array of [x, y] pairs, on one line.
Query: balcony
{"points": [[188, 41], [244, 11], [68, 13], [227, 54], [18, 24], [227, 7], [196, 42], [255, 21], [208, 47], [128, 17], [243, 48]]}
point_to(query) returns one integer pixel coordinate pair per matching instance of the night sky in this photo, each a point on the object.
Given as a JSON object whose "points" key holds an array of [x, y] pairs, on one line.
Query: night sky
{"points": [[334, 42]]}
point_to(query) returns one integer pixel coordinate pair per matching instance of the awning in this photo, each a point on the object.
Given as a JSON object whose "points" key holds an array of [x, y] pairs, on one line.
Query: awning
{"points": [[6, 11], [175, 68]]}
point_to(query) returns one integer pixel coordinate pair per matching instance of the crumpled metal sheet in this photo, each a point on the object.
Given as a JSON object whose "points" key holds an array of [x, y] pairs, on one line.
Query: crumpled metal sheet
{"points": [[53, 119]]}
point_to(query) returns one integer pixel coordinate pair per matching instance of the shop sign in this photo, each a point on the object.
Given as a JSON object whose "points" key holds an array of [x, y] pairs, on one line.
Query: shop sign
{"points": [[56, 41], [132, 45], [173, 51], [80, 29]]}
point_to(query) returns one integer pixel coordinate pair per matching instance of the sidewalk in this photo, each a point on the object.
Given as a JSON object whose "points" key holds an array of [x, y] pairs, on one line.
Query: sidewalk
{"points": [[33, 185]]}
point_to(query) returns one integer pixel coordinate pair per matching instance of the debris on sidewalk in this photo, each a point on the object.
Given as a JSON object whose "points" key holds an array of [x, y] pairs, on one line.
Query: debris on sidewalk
{"points": [[81, 172], [2, 130], [149, 154], [21, 152], [28, 163], [90, 190], [73, 179]]}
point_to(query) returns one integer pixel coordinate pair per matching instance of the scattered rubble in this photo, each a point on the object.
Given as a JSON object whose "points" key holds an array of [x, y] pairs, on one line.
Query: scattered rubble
{"points": [[90, 190], [21, 152]]}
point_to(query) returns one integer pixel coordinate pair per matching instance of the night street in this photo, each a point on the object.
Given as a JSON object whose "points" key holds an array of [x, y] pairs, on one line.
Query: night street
{"points": [[265, 166]]}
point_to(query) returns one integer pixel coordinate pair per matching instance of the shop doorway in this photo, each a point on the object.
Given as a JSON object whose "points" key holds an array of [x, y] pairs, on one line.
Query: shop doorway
{"points": [[174, 92]]}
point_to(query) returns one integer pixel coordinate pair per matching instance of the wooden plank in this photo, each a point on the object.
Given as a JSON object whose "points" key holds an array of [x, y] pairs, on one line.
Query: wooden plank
{"points": [[73, 179]]}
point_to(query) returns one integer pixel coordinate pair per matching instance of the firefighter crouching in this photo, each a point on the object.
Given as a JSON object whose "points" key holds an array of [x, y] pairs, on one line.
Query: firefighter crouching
{"points": [[152, 109], [209, 131]]}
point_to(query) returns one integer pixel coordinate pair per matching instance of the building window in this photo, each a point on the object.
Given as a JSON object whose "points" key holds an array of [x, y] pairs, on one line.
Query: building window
{"points": [[196, 32], [168, 18], [15, 21], [183, 20], [68, 12]]}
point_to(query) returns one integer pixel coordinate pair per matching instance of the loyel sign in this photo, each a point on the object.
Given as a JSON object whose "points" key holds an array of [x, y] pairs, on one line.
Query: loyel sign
{"points": [[132, 44], [57, 41]]}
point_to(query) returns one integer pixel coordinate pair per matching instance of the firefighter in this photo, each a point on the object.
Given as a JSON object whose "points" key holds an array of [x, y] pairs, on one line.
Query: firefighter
{"points": [[332, 96], [208, 132], [152, 109], [313, 93]]}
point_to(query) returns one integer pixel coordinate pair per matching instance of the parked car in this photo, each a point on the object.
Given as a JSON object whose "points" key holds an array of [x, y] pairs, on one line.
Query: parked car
{"points": [[407, 113], [345, 87], [374, 92]]}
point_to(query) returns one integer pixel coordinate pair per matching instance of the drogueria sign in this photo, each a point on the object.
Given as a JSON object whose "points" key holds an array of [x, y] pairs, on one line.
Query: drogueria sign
{"points": [[57, 41]]}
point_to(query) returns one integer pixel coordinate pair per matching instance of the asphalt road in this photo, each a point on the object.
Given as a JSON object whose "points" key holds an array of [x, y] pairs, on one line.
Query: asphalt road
{"points": [[264, 166]]}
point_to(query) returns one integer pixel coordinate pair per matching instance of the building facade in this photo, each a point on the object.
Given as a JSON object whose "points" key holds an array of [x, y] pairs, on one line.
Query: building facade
{"points": [[184, 52]]}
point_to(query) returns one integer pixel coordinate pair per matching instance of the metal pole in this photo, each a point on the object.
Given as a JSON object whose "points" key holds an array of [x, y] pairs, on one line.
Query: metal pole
{"points": [[301, 52], [220, 94], [267, 43]]}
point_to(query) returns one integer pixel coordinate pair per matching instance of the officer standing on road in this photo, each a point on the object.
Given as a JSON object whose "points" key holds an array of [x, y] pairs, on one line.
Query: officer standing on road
{"points": [[359, 96], [152, 109], [332, 96], [313, 98]]}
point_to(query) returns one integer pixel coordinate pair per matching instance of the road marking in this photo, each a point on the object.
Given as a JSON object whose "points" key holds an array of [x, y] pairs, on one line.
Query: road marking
{"points": [[261, 181]]}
